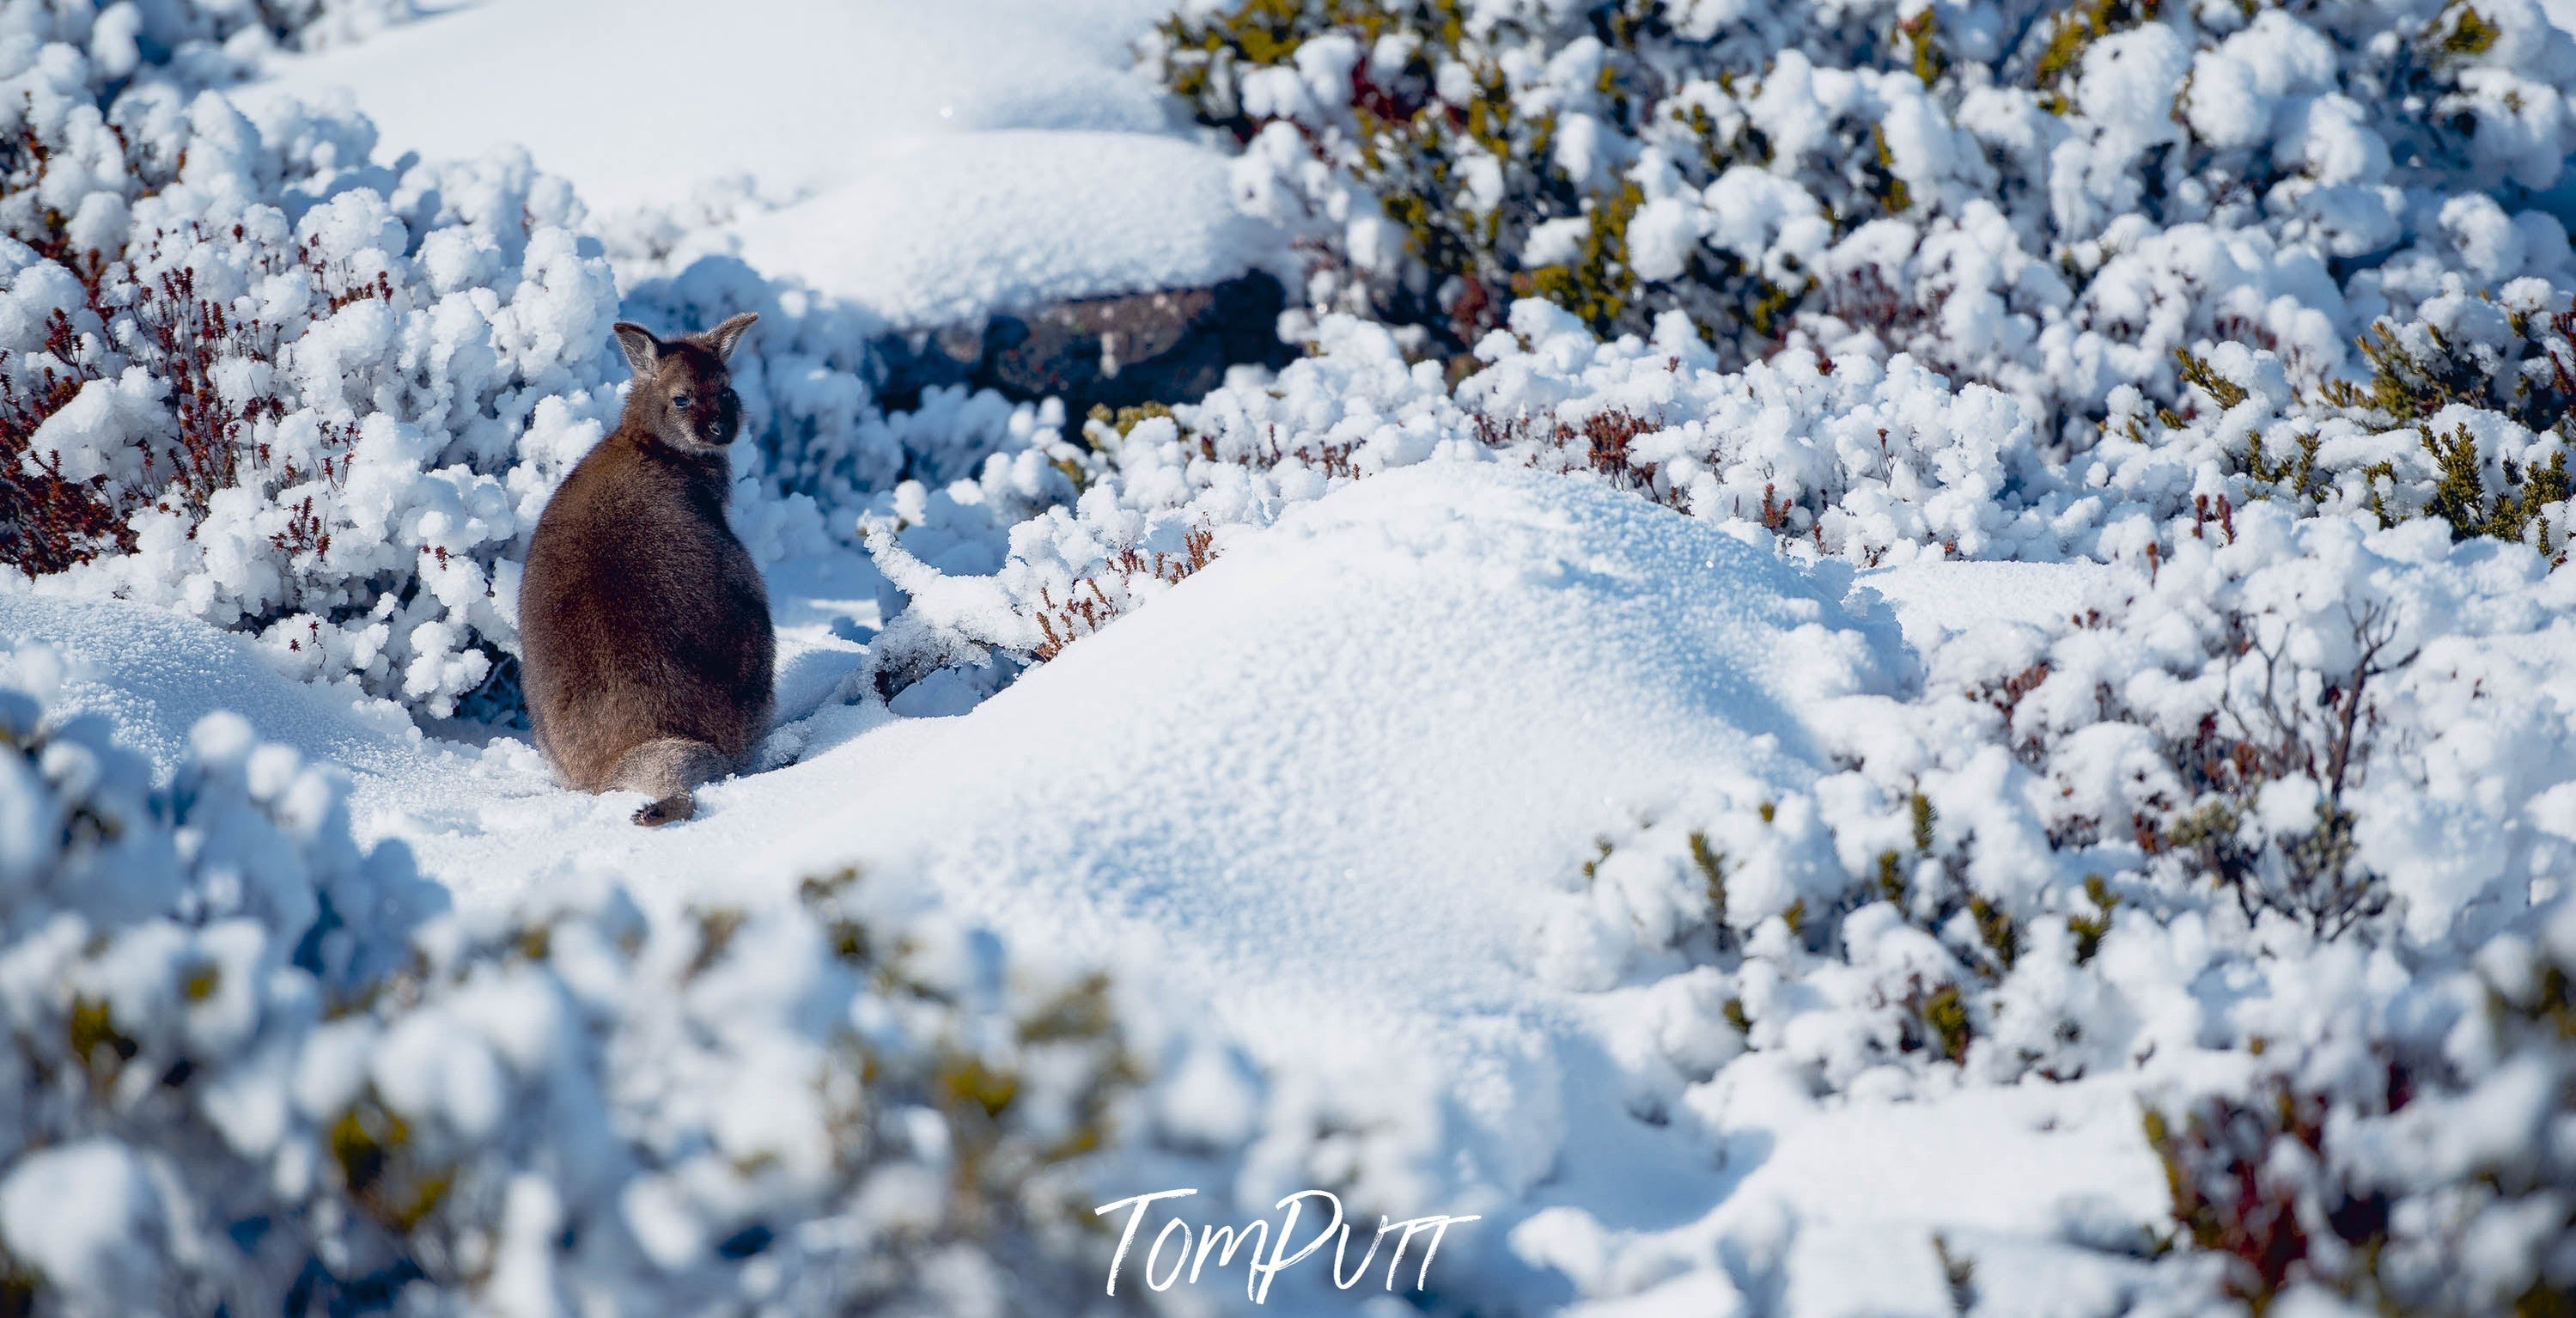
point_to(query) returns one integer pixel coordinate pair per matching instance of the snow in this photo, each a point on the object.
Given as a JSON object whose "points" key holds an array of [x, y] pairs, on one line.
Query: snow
{"points": [[87, 1212], [1305, 827], [939, 231], [1331, 788], [929, 162], [1935, 602]]}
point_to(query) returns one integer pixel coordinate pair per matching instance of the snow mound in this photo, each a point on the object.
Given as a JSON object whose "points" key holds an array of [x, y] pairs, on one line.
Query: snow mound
{"points": [[154, 674], [1017, 136], [1335, 783], [940, 231]]}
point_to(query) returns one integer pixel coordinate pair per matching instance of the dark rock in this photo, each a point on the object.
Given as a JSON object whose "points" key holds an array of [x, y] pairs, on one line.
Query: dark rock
{"points": [[1117, 351]]}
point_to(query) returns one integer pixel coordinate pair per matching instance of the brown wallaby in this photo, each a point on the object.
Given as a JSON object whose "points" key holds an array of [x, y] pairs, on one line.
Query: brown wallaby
{"points": [[645, 646]]}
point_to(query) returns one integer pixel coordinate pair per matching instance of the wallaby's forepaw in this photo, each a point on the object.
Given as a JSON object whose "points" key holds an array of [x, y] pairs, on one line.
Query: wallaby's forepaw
{"points": [[669, 810]]}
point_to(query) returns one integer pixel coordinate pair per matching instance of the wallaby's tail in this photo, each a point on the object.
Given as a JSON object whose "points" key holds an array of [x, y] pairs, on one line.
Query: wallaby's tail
{"points": [[666, 768]]}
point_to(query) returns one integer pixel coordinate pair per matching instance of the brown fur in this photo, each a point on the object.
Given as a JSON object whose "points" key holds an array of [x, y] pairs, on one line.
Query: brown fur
{"points": [[646, 650]]}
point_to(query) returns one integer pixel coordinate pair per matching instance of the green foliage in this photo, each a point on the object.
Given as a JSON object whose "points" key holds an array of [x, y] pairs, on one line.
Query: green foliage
{"points": [[1945, 1017], [2075, 30], [2424, 380], [2511, 512], [1921, 36], [1712, 872], [2406, 385], [1431, 163], [1119, 422], [2294, 478], [1890, 190], [2090, 930], [2469, 33], [1599, 287], [380, 1167], [1997, 930], [2197, 372], [100, 1047]]}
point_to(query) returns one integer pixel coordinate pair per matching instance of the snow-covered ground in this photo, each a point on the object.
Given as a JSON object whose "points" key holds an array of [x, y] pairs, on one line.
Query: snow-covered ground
{"points": [[929, 162], [1329, 787]]}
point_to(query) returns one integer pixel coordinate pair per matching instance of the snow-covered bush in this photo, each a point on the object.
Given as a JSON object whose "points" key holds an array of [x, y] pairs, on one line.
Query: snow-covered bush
{"points": [[1875, 464], [250, 373], [203, 40], [2047, 198], [256, 1066], [2463, 416], [2415, 1160], [322, 399], [2320, 764]]}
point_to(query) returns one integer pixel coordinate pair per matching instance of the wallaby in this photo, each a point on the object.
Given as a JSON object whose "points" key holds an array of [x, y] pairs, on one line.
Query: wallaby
{"points": [[646, 650]]}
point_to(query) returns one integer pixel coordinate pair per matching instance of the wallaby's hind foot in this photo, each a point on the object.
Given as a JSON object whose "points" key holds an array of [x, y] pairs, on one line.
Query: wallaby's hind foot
{"points": [[666, 768], [669, 810]]}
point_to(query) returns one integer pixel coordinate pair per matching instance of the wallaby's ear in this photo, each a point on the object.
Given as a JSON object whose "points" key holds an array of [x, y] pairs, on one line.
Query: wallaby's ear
{"points": [[723, 337], [643, 351]]}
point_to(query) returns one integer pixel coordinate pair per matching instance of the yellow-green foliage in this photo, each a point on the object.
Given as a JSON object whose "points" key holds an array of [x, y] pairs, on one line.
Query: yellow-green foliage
{"points": [[1891, 882], [2198, 372], [1416, 153], [1945, 1018], [95, 1040], [1884, 184], [2294, 477], [2469, 33], [2417, 375], [1601, 852], [1923, 51], [2213, 822], [1712, 872], [850, 941], [2075, 31], [372, 1146], [2090, 930], [2406, 385], [1997, 930], [1598, 287], [979, 1095], [1106, 426], [2461, 496]]}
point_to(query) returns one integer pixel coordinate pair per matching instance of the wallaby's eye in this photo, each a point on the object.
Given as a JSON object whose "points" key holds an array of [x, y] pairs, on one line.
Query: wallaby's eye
{"points": [[682, 401]]}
